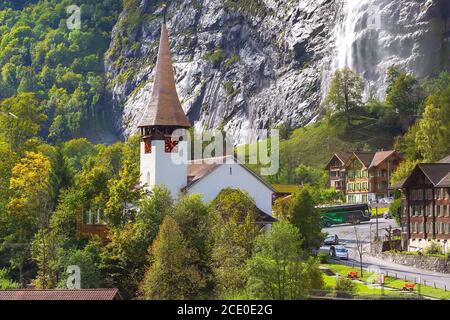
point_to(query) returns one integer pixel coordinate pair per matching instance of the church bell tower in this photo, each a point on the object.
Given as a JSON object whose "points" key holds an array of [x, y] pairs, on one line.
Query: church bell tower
{"points": [[163, 150]]}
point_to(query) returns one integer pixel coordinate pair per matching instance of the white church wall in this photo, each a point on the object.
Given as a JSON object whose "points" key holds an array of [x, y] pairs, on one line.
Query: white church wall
{"points": [[238, 178], [159, 168]]}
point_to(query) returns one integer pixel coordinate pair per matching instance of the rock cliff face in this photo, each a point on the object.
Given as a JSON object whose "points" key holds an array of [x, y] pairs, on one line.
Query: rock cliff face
{"points": [[252, 64]]}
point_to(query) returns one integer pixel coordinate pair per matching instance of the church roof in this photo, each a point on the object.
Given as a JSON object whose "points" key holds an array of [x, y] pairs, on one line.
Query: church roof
{"points": [[164, 108], [200, 168]]}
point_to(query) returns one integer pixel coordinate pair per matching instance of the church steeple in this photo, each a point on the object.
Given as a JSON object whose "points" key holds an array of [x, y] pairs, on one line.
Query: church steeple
{"points": [[163, 147], [164, 109]]}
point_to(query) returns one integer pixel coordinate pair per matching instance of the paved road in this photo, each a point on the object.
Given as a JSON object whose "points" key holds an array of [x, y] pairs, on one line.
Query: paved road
{"points": [[366, 231]]}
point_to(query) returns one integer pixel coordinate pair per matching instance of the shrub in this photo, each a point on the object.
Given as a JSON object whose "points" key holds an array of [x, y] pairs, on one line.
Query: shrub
{"points": [[433, 248], [216, 56], [323, 257], [345, 288]]}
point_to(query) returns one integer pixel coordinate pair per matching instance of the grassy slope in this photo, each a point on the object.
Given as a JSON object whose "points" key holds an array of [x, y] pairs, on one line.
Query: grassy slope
{"points": [[315, 144]]}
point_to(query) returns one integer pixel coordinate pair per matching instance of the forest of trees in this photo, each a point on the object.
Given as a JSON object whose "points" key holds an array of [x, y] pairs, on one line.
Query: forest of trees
{"points": [[61, 69], [52, 87]]}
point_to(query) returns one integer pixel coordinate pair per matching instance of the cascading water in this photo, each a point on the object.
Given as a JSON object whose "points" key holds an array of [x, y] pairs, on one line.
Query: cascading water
{"points": [[346, 34], [369, 39], [357, 26]]}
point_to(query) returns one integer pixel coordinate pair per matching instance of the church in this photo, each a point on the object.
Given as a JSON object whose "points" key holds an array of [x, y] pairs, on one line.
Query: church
{"points": [[164, 158]]}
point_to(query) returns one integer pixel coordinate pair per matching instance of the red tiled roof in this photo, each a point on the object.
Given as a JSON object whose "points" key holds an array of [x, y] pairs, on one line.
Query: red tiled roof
{"points": [[83, 294]]}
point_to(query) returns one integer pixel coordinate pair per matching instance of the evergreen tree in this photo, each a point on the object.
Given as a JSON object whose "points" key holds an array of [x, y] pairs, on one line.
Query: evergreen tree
{"points": [[174, 273], [307, 219]]}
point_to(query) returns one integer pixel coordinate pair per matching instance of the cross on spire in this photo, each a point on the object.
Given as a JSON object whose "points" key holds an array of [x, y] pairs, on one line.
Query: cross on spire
{"points": [[164, 6]]}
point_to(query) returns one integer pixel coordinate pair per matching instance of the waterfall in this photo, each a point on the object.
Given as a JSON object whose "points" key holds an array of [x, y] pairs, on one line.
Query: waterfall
{"points": [[346, 34], [356, 46]]}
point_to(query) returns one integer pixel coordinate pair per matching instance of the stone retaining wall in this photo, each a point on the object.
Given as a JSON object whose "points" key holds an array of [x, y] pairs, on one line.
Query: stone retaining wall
{"points": [[436, 264]]}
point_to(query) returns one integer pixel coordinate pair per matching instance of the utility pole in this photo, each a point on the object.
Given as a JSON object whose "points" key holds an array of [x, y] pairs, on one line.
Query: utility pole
{"points": [[445, 253], [375, 202]]}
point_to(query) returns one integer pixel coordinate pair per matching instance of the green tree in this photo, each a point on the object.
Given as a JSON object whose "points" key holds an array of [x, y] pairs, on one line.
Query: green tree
{"points": [[6, 164], [405, 95], [192, 217], [154, 209], [307, 219], [5, 282], [395, 210], [46, 251], [88, 259], [279, 270], [123, 192], [403, 170], [346, 93], [237, 211], [173, 274], [28, 209], [406, 144], [308, 175], [21, 119], [433, 135]]}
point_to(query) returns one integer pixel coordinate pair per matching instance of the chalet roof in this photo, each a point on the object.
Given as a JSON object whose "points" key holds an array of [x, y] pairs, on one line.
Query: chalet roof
{"points": [[164, 108], [437, 173], [398, 185], [445, 182], [342, 156], [445, 160], [380, 157], [365, 157], [83, 294]]}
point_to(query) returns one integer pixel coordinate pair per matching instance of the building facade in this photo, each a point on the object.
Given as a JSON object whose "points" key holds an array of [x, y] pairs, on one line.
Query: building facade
{"points": [[425, 207], [363, 176], [336, 171]]}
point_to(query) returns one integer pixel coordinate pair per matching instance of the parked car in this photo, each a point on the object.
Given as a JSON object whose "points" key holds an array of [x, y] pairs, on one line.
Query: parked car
{"points": [[331, 240], [386, 200], [339, 252], [387, 215]]}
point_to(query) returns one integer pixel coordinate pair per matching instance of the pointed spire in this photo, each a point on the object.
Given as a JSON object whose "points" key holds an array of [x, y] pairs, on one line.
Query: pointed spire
{"points": [[165, 107]]}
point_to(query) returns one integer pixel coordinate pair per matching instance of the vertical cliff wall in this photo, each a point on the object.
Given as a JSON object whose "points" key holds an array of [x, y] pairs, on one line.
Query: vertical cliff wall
{"points": [[243, 64]]}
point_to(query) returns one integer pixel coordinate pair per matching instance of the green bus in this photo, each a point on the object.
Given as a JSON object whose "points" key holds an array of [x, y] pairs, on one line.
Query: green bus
{"points": [[348, 213]]}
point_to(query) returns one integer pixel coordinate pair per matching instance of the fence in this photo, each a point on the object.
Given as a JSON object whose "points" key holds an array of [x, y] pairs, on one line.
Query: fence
{"points": [[400, 276]]}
